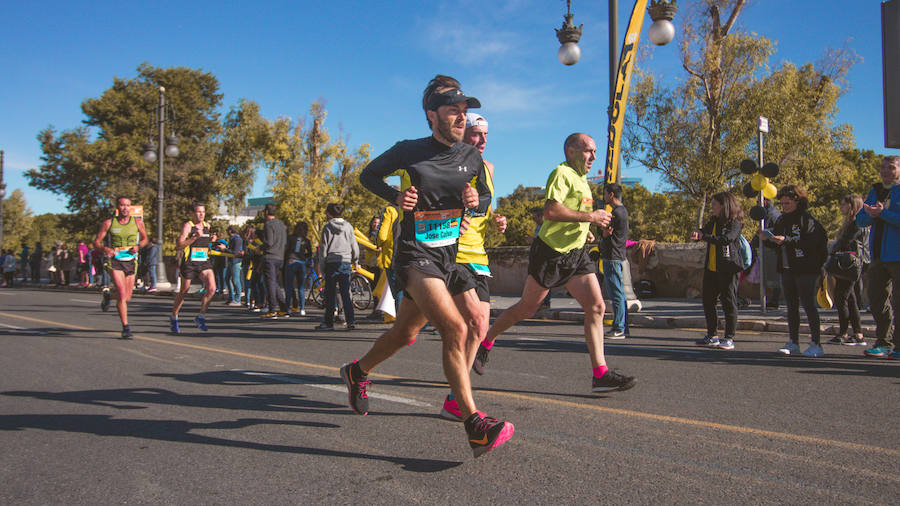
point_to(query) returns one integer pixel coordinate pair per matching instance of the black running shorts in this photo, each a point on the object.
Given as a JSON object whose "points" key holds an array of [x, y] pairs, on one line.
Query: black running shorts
{"points": [[126, 266], [455, 276], [192, 270], [551, 268], [465, 278]]}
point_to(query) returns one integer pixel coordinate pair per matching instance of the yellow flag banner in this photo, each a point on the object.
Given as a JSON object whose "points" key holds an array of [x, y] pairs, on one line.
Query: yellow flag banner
{"points": [[623, 78], [362, 240]]}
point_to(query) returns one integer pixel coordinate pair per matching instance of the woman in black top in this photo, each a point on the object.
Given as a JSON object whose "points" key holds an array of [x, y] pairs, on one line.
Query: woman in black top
{"points": [[850, 238], [802, 247], [296, 261], [722, 265]]}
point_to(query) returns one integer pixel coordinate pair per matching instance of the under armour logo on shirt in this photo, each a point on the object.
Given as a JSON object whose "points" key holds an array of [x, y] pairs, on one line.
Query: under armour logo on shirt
{"points": [[463, 168]]}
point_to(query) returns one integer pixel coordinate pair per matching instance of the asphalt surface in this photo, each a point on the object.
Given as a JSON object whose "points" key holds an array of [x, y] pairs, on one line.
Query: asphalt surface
{"points": [[254, 412]]}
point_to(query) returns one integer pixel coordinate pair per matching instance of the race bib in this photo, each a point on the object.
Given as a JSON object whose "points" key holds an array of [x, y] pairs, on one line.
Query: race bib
{"points": [[435, 229], [481, 270], [199, 254], [124, 254]]}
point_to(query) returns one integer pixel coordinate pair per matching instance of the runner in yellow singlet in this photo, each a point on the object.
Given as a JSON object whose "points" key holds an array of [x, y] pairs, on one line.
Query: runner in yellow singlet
{"points": [[475, 306], [194, 241]]}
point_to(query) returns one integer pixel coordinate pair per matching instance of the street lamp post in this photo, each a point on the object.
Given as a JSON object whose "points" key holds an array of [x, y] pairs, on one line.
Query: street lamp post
{"points": [[2, 196], [168, 146]]}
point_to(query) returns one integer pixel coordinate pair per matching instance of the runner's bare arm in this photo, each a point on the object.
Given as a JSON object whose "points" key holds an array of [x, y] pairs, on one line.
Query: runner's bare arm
{"points": [[142, 232], [184, 240], [555, 211], [101, 234]]}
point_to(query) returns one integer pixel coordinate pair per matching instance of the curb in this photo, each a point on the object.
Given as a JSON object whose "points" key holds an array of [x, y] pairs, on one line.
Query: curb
{"points": [[673, 322], [634, 319]]}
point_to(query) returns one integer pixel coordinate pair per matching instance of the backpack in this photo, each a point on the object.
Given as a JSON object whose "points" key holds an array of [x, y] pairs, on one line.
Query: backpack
{"points": [[746, 253]]}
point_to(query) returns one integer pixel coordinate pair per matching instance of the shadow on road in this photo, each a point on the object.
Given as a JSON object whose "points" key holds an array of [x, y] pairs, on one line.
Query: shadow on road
{"points": [[180, 431]]}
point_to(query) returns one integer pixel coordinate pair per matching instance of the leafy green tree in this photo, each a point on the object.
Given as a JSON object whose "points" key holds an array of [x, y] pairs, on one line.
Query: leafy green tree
{"points": [[697, 133], [17, 219], [658, 216], [307, 171], [517, 208], [92, 164], [46, 229], [240, 152]]}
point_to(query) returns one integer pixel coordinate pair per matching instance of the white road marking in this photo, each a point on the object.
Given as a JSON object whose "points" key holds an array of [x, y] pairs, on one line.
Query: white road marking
{"points": [[335, 388], [85, 301], [22, 329]]}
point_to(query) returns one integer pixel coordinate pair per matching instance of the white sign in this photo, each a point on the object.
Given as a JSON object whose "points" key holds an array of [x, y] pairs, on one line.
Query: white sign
{"points": [[764, 124]]}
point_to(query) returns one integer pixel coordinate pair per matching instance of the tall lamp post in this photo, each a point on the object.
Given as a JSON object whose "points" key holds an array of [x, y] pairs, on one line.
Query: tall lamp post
{"points": [[167, 146], [2, 196]]}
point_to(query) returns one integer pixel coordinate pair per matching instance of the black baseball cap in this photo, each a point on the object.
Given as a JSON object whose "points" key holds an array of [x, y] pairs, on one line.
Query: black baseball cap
{"points": [[450, 97]]}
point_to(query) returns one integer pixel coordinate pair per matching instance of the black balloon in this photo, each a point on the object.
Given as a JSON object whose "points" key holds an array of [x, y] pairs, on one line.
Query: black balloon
{"points": [[749, 192], [757, 212], [748, 166], [770, 169]]}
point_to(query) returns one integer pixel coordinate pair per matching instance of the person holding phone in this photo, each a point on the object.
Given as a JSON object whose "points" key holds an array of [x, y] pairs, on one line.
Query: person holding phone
{"points": [[722, 265], [801, 244]]}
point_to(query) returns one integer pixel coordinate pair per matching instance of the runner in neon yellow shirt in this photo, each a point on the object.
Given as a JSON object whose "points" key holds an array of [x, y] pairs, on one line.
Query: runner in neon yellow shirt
{"points": [[558, 258]]}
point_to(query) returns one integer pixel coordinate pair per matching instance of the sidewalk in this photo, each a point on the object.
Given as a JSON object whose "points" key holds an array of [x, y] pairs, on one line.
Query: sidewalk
{"points": [[688, 313], [655, 313]]}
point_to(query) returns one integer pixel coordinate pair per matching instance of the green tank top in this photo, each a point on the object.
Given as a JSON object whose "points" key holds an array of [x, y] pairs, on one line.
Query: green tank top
{"points": [[123, 235]]}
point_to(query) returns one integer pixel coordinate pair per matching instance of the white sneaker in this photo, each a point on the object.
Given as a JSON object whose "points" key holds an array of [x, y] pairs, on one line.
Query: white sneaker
{"points": [[789, 349], [814, 351], [616, 334], [302, 312]]}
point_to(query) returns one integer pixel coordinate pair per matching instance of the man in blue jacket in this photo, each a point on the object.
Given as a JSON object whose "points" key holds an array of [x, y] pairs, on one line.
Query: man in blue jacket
{"points": [[881, 211]]}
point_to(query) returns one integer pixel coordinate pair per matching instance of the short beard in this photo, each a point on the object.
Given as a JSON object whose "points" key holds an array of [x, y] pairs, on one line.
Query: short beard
{"points": [[445, 131]]}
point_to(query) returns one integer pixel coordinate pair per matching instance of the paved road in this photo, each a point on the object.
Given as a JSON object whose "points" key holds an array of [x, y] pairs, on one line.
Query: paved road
{"points": [[254, 412]]}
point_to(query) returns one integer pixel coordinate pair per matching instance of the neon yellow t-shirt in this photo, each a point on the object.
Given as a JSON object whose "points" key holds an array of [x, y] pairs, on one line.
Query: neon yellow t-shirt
{"points": [[570, 188], [471, 242]]}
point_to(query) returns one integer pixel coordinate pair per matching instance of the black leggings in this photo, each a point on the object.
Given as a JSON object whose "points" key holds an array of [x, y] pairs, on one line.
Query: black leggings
{"points": [[721, 286], [845, 303], [800, 289]]}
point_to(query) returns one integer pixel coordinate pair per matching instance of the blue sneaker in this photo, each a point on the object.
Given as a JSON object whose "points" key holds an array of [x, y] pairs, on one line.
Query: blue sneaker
{"points": [[726, 344], [711, 342], [877, 352], [894, 355], [200, 322], [173, 325]]}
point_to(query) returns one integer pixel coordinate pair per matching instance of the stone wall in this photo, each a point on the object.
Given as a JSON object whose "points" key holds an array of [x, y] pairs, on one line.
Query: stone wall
{"points": [[675, 269]]}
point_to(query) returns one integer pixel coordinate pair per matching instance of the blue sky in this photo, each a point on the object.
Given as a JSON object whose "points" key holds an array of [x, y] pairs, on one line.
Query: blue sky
{"points": [[370, 61]]}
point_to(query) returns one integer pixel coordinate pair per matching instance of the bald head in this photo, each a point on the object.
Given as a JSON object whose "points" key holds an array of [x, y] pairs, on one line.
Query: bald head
{"points": [[581, 151]]}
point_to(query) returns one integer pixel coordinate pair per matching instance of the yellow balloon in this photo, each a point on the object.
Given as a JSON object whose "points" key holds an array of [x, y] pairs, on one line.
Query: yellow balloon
{"points": [[758, 181], [770, 191]]}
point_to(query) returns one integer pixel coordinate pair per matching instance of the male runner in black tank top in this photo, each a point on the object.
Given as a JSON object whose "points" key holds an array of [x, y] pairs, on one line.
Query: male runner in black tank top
{"points": [[194, 242], [437, 175]]}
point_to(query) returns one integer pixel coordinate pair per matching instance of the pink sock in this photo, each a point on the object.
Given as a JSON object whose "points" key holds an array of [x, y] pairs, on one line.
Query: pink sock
{"points": [[487, 344], [599, 371]]}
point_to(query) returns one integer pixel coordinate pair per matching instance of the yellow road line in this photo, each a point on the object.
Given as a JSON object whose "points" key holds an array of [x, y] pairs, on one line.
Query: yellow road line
{"points": [[528, 398]]}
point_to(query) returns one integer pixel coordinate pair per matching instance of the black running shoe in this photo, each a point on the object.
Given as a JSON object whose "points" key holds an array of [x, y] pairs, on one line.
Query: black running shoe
{"points": [[481, 359], [126, 333], [486, 433], [359, 398], [104, 303], [612, 381]]}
